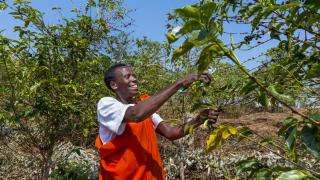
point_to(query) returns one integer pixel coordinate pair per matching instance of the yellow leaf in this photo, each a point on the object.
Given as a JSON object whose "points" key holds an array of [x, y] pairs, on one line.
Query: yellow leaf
{"points": [[210, 140], [232, 130], [191, 130], [225, 134]]}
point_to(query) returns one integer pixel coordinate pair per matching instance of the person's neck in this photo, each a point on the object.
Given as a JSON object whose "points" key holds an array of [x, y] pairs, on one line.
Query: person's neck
{"points": [[125, 100]]}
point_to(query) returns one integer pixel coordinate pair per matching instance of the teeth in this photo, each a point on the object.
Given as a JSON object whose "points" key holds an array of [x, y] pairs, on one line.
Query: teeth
{"points": [[134, 86]]}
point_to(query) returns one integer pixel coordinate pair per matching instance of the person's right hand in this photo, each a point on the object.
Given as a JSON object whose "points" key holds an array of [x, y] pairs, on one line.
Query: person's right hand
{"points": [[189, 79], [208, 114]]}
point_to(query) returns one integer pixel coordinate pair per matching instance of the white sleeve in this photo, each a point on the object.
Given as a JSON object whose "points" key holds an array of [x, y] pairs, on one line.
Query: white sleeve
{"points": [[111, 113], [156, 119]]}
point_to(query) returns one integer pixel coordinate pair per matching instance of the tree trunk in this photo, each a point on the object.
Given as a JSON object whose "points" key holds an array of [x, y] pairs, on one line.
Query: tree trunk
{"points": [[46, 165]]}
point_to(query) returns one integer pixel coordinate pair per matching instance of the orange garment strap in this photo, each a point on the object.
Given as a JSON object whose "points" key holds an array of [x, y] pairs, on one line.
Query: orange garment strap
{"points": [[133, 155]]}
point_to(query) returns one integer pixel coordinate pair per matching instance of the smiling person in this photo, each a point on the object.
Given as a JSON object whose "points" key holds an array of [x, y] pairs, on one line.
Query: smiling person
{"points": [[127, 140]]}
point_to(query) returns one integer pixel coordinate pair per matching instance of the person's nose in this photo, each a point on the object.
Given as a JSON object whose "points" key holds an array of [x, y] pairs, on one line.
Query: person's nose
{"points": [[134, 79]]}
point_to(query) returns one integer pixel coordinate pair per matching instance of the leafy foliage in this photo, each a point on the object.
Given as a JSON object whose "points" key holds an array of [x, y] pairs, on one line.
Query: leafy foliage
{"points": [[52, 75], [294, 61], [259, 171]]}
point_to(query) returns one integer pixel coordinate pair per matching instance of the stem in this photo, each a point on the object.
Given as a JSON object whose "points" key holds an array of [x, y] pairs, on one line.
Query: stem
{"points": [[232, 56]]}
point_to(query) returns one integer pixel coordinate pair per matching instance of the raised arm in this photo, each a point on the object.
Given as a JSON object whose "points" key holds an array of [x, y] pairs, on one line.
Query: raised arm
{"points": [[146, 108]]}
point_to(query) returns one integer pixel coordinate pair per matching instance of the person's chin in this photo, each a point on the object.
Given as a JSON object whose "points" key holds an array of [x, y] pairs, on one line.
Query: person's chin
{"points": [[134, 91]]}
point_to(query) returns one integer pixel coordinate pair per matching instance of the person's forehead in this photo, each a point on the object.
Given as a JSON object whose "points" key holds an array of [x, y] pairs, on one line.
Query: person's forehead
{"points": [[124, 70]]}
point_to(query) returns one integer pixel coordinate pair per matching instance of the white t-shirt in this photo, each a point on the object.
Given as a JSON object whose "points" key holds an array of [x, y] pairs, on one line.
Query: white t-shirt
{"points": [[110, 113]]}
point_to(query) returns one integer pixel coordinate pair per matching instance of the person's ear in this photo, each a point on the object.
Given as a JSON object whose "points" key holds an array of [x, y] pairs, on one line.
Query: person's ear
{"points": [[113, 85]]}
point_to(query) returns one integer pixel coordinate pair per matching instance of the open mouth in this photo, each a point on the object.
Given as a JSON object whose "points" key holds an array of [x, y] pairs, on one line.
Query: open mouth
{"points": [[133, 86]]}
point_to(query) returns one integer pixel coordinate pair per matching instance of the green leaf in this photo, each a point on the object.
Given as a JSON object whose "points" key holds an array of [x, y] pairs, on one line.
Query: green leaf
{"points": [[189, 26], [249, 164], [249, 87], [256, 8], [289, 6], [261, 14], [290, 138], [201, 38], [315, 116], [3, 6], [244, 131], [289, 121], [310, 136], [207, 10], [264, 174], [188, 12], [206, 56], [312, 4], [185, 47], [292, 175], [171, 38], [86, 132], [282, 97], [78, 151], [264, 100], [314, 71]]}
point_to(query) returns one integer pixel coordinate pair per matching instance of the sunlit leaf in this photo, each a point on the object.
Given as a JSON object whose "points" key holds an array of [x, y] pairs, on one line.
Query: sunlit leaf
{"points": [[185, 47], [214, 140], [171, 38], [220, 133], [282, 97], [188, 12], [190, 26], [292, 175], [205, 57], [226, 134]]}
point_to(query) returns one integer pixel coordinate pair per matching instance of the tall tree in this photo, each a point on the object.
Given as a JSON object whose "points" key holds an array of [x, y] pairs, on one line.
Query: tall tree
{"points": [[51, 76]]}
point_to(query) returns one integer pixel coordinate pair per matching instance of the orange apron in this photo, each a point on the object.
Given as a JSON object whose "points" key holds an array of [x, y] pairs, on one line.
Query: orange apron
{"points": [[133, 155]]}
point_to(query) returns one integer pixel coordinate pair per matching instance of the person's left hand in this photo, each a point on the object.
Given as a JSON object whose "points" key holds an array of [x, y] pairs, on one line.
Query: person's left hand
{"points": [[208, 114]]}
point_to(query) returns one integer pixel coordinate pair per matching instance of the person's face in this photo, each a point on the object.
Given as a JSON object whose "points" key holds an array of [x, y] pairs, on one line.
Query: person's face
{"points": [[125, 82]]}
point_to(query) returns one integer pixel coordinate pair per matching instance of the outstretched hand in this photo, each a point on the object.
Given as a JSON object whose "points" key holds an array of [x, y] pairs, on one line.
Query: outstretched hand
{"points": [[189, 79], [208, 114]]}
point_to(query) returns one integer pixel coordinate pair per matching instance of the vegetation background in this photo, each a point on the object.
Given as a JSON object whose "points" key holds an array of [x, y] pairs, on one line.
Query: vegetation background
{"points": [[51, 79]]}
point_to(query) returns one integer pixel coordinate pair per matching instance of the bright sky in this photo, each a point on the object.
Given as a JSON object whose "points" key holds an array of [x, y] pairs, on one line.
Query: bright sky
{"points": [[149, 20]]}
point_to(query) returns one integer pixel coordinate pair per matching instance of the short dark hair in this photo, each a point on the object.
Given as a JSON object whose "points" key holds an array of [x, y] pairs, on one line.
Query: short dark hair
{"points": [[110, 75]]}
